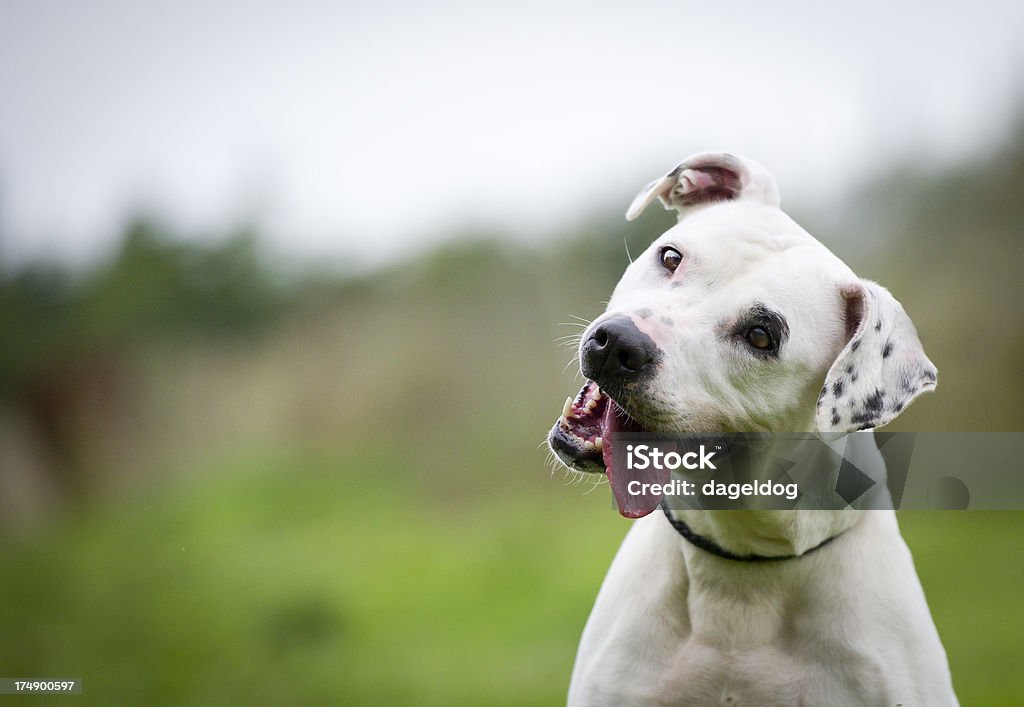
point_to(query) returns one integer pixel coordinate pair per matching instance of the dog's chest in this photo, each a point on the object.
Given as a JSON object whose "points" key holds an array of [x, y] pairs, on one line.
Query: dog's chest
{"points": [[769, 675], [777, 641], [779, 647], [766, 676]]}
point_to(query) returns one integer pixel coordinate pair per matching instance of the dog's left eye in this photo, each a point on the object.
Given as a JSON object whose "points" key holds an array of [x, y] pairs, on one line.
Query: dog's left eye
{"points": [[759, 338], [671, 259]]}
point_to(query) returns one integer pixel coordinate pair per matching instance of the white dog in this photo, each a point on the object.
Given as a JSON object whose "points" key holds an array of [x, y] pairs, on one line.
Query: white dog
{"points": [[738, 320]]}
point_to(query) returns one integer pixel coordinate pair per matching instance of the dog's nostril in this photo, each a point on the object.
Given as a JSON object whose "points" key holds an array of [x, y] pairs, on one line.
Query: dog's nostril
{"points": [[632, 359], [601, 337]]}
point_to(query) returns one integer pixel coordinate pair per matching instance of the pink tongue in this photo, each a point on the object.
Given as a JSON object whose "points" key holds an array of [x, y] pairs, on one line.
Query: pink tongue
{"points": [[619, 476]]}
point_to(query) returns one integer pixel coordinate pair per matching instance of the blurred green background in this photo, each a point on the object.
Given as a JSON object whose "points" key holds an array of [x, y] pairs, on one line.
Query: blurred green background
{"points": [[224, 480]]}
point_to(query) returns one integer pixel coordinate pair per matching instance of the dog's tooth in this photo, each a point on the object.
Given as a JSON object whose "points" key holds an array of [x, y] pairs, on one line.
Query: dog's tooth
{"points": [[567, 408], [588, 445], [563, 422], [598, 443], [597, 393], [591, 404]]}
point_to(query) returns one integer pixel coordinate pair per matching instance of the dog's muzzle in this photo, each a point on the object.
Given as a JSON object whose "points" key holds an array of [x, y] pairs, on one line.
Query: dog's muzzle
{"points": [[618, 359]]}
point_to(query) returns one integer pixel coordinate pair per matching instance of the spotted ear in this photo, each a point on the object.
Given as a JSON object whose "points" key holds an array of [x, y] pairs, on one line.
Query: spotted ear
{"points": [[882, 368], [708, 178]]}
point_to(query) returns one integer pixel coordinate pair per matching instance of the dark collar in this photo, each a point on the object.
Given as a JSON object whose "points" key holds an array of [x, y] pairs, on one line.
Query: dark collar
{"points": [[709, 545]]}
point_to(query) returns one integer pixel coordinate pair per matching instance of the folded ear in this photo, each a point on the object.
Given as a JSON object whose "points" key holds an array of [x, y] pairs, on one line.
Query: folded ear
{"points": [[882, 368], [708, 178]]}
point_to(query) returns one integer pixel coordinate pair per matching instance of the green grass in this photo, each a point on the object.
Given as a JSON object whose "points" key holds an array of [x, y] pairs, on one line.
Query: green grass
{"points": [[326, 581], [309, 583], [970, 565]]}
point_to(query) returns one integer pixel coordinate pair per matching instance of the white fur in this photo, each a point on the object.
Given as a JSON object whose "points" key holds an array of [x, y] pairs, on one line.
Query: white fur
{"points": [[846, 625]]}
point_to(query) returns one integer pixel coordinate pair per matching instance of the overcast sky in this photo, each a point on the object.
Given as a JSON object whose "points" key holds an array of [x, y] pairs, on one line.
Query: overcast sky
{"points": [[357, 131]]}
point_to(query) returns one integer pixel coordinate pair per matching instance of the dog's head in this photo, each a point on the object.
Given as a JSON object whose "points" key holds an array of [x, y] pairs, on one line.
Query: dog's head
{"points": [[737, 320]]}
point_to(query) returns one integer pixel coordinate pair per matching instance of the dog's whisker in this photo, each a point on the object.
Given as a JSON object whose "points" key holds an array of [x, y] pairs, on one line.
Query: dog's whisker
{"points": [[596, 483], [586, 322]]}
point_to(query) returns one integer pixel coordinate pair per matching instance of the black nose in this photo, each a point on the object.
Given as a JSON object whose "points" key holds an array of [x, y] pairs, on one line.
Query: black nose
{"points": [[616, 352]]}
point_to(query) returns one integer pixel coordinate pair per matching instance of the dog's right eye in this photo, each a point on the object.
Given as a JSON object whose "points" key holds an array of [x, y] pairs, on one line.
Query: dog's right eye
{"points": [[759, 338], [671, 258]]}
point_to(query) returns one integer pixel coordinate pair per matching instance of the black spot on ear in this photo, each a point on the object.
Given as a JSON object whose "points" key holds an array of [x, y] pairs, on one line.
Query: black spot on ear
{"points": [[837, 388], [855, 345], [667, 321], [835, 417], [849, 369], [874, 401], [897, 407], [929, 376], [887, 349], [864, 418], [645, 313], [676, 284], [853, 378], [878, 325]]}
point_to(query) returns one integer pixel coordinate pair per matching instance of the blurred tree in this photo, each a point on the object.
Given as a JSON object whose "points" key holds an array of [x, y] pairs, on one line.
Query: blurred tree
{"points": [[68, 338]]}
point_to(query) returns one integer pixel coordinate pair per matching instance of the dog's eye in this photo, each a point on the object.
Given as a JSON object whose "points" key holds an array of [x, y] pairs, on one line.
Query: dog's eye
{"points": [[671, 258], [759, 338]]}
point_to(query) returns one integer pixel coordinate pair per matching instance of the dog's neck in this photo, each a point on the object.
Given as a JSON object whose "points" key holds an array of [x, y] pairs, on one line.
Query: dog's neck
{"points": [[774, 533], [768, 533]]}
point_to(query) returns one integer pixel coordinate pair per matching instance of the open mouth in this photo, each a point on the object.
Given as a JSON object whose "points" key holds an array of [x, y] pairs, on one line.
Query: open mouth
{"points": [[585, 439], [578, 436]]}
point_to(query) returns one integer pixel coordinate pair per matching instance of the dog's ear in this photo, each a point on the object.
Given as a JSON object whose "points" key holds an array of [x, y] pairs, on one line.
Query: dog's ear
{"points": [[708, 178], [882, 368]]}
